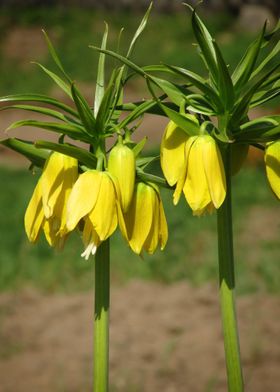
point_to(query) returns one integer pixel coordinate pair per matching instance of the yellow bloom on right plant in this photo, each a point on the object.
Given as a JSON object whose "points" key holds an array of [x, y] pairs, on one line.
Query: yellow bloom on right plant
{"points": [[201, 174]]}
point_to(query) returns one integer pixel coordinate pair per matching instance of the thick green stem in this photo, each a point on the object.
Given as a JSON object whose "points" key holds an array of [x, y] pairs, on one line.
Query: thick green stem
{"points": [[227, 285], [101, 318]]}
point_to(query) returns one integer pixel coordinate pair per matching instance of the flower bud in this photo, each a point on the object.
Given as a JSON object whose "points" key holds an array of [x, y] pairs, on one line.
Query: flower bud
{"points": [[121, 164]]}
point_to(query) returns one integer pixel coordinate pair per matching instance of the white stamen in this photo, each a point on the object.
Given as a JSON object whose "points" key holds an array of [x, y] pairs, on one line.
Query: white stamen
{"points": [[90, 249]]}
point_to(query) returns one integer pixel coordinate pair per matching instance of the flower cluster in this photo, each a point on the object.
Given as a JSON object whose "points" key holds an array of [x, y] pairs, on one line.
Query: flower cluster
{"points": [[95, 202]]}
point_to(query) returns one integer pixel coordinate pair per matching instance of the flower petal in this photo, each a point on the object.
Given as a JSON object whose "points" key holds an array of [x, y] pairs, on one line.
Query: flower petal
{"points": [[104, 214], [183, 174], [83, 197], [196, 187], [139, 217], [272, 164], [34, 214], [172, 156], [214, 170]]}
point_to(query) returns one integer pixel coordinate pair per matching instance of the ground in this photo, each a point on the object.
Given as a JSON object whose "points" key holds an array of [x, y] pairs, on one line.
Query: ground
{"points": [[163, 338]]}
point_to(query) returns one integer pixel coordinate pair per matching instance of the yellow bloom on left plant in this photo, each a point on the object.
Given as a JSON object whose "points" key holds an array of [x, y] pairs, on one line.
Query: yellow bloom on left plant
{"points": [[93, 205], [47, 207]]}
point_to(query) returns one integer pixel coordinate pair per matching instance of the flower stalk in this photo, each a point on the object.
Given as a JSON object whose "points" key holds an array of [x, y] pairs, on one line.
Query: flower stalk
{"points": [[227, 283], [101, 318]]}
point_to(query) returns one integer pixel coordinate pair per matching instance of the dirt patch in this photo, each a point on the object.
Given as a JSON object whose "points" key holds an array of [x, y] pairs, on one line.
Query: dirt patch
{"points": [[25, 44], [163, 338]]}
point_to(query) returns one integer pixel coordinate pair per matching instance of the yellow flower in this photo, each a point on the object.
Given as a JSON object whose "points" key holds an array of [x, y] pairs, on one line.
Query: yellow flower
{"points": [[93, 200], [47, 207], [144, 225], [272, 164], [172, 152], [198, 168], [121, 164]]}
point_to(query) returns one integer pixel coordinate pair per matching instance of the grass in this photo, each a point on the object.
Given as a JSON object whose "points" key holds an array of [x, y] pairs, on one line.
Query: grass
{"points": [[191, 252]]}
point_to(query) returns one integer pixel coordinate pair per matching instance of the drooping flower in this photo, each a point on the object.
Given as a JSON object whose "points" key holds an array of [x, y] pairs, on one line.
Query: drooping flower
{"points": [[198, 168], [272, 165], [144, 224], [47, 207], [93, 201], [121, 164], [172, 152]]}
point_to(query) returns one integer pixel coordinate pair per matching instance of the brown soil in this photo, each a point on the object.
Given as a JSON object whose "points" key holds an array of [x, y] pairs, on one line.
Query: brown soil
{"points": [[163, 338]]}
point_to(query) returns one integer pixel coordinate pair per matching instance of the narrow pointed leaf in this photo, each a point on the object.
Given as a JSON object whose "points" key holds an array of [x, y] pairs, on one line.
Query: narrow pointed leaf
{"points": [[84, 111], [245, 67], [100, 81], [44, 111], [262, 129], [82, 155], [224, 82], [104, 109], [64, 86], [122, 59], [39, 98], [137, 149], [200, 83], [55, 56], [139, 31], [242, 105], [72, 131], [27, 149], [205, 42], [186, 124]]}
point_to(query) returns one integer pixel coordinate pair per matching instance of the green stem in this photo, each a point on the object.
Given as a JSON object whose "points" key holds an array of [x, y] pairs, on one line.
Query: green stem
{"points": [[227, 285], [101, 318]]}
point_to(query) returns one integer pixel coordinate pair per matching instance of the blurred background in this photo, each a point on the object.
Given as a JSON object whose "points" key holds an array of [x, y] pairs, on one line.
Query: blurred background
{"points": [[165, 332]]}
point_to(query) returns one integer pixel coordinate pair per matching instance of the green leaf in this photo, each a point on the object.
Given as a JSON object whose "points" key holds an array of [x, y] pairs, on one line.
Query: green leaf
{"points": [[84, 111], [55, 56], [270, 61], [137, 149], [108, 102], [44, 111], [245, 67], [201, 84], [122, 59], [264, 96], [64, 86], [139, 110], [199, 104], [139, 31], [206, 45], [173, 91], [83, 156], [70, 130], [27, 149], [39, 98], [243, 103], [224, 82], [260, 130], [189, 126], [100, 81]]}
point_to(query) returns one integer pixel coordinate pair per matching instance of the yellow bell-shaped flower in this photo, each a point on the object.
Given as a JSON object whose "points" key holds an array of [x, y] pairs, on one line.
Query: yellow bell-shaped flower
{"points": [[144, 224], [93, 200], [47, 207], [121, 164], [172, 152], [272, 165], [198, 168]]}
